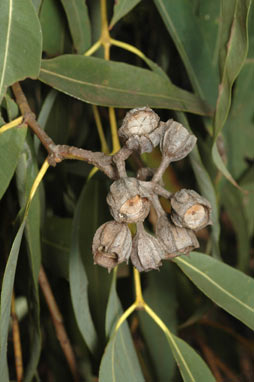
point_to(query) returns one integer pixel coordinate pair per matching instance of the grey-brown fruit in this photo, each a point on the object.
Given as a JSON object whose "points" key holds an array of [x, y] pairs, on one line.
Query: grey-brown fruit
{"points": [[146, 252], [140, 130], [128, 200], [112, 244], [190, 210], [176, 241], [176, 142]]}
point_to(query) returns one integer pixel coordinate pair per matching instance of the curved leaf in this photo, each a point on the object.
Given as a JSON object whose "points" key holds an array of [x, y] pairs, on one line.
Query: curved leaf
{"points": [[20, 37], [79, 282], [121, 8], [227, 287], [119, 362], [185, 30], [6, 294], [116, 84], [11, 144], [79, 24]]}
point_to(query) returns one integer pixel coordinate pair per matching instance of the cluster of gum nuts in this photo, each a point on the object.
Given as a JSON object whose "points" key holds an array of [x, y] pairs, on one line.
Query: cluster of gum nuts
{"points": [[130, 199]]}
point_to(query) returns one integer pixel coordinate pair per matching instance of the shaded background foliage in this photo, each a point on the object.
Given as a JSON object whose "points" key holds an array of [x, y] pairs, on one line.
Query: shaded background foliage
{"points": [[193, 61]]}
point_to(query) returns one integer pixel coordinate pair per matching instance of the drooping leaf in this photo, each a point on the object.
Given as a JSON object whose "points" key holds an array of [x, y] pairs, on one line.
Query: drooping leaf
{"points": [[227, 287], [116, 84], [119, 362], [52, 24], [239, 129], [11, 144], [20, 37], [6, 294], [160, 294], [247, 182], [11, 107], [233, 52], [79, 24], [79, 282], [94, 212], [26, 173], [232, 200], [185, 30], [56, 242], [121, 8]]}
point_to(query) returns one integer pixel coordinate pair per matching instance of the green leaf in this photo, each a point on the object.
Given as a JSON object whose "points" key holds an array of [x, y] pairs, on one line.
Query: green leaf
{"points": [[116, 84], [119, 362], [247, 182], [191, 365], [232, 199], [11, 107], [56, 240], [79, 24], [11, 144], [6, 295], [53, 27], [121, 8], [233, 52], [239, 129], [187, 34], [26, 173], [94, 212], [227, 287], [20, 38], [79, 282], [160, 295]]}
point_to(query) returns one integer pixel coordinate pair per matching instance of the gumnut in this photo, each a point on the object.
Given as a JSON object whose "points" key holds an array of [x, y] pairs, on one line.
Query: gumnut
{"points": [[146, 251], [112, 244], [176, 142], [128, 200], [140, 130], [176, 241], [190, 210]]}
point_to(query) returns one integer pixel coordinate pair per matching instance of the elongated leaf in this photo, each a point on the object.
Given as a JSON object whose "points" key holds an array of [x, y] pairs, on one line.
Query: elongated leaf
{"points": [[26, 172], [232, 199], [94, 212], [239, 129], [226, 286], [119, 362], [234, 34], [191, 365], [79, 24], [186, 32], [121, 8], [6, 293], [20, 37], [247, 182], [233, 52], [11, 144], [79, 282], [116, 84], [160, 294]]}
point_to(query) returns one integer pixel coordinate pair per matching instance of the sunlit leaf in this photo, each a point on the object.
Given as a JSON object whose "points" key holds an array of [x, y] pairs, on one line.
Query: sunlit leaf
{"points": [[116, 84], [20, 38], [227, 287]]}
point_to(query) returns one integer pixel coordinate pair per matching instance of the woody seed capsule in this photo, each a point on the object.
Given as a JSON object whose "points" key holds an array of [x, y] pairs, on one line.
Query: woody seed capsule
{"points": [[190, 210], [146, 252], [140, 131], [112, 244], [175, 240], [128, 200], [176, 142]]}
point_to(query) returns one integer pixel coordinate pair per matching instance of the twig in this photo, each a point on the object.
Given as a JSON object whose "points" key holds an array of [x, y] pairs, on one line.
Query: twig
{"points": [[210, 358], [58, 323], [16, 342], [57, 153]]}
